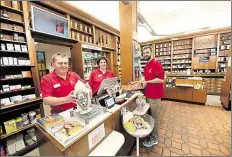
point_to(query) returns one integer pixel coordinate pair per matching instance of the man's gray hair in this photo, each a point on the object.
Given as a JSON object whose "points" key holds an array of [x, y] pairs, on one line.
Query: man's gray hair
{"points": [[62, 55]]}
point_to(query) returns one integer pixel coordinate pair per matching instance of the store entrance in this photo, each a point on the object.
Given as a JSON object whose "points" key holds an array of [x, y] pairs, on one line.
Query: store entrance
{"points": [[44, 53]]}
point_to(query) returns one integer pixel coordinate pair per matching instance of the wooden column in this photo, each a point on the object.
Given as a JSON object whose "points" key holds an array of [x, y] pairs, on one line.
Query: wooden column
{"points": [[31, 48], [128, 25]]}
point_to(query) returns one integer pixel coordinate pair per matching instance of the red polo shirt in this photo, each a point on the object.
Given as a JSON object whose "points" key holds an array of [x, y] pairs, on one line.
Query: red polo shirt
{"points": [[96, 78], [53, 85], [153, 70]]}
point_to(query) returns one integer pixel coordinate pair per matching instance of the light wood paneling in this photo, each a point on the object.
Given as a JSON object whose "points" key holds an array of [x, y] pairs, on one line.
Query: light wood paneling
{"points": [[77, 63], [127, 26]]}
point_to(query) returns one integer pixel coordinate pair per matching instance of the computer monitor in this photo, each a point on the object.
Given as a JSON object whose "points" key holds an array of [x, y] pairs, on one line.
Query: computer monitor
{"points": [[107, 83]]}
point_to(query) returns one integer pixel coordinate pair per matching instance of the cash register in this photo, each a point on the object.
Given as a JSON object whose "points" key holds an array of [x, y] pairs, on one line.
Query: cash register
{"points": [[107, 92]]}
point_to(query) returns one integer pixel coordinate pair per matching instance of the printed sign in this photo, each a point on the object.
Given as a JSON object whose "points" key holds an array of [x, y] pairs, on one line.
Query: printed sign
{"points": [[96, 135]]}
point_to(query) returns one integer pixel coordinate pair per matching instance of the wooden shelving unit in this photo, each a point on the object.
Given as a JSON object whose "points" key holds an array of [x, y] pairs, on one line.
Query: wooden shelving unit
{"points": [[14, 35], [163, 54], [224, 46], [25, 150], [81, 31], [19, 130], [11, 21], [182, 56]]}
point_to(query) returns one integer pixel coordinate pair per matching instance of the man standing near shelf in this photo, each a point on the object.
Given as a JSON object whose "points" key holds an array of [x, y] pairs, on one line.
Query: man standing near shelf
{"points": [[56, 87], [154, 91]]}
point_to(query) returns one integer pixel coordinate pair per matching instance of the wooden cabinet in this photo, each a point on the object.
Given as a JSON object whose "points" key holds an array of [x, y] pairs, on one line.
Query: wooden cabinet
{"points": [[186, 94], [199, 95]]}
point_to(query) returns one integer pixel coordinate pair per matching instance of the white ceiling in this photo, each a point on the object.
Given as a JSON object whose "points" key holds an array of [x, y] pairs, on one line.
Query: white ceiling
{"points": [[165, 17]]}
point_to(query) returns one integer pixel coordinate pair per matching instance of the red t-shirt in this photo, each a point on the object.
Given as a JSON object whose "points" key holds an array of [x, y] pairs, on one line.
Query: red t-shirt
{"points": [[96, 78], [53, 85], [153, 70]]}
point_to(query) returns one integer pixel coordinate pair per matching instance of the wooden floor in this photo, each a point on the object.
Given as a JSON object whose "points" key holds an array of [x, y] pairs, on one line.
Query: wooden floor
{"points": [[191, 130]]}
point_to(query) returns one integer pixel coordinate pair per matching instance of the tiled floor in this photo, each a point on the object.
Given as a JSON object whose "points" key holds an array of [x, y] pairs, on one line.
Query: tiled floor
{"points": [[191, 130]]}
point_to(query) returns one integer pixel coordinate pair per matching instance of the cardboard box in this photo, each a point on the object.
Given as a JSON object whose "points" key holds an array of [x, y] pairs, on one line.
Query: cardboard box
{"points": [[10, 126]]}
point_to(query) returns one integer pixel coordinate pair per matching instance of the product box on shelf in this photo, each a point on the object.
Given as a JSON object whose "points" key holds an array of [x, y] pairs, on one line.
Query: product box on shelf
{"points": [[5, 101], [3, 47], [10, 47], [15, 61], [10, 126], [26, 73], [17, 98], [5, 60], [17, 47], [24, 48], [10, 60]]}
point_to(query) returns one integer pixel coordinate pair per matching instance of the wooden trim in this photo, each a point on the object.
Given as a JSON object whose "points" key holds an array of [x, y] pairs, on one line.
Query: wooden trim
{"points": [[78, 13], [31, 49], [190, 35], [69, 26], [77, 62], [126, 37]]}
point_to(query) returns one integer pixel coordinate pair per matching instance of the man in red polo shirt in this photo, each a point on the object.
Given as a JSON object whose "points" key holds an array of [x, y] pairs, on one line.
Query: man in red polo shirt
{"points": [[57, 86], [154, 91]]}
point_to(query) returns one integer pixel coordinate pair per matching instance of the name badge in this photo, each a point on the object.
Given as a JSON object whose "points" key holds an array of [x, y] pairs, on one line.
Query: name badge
{"points": [[99, 75], [56, 85]]}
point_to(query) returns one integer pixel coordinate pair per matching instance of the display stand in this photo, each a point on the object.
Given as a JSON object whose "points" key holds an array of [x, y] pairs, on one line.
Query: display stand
{"points": [[142, 133]]}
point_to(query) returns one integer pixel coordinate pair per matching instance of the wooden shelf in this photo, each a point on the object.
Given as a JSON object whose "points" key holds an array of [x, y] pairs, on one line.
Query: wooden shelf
{"points": [[206, 48], [182, 68], [181, 63], [222, 61], [13, 41], [184, 75], [12, 9], [25, 150], [163, 51], [7, 51], [163, 47], [181, 45], [183, 58], [16, 79], [3, 19], [181, 53], [20, 103], [17, 90], [82, 32], [15, 132], [13, 31], [108, 48], [208, 53], [164, 55], [182, 49]]}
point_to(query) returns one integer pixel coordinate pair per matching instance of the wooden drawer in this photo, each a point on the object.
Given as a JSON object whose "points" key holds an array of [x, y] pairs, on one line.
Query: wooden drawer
{"points": [[170, 93], [184, 93], [199, 95]]}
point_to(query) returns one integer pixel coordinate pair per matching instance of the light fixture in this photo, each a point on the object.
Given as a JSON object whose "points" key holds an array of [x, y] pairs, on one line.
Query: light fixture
{"points": [[142, 22]]}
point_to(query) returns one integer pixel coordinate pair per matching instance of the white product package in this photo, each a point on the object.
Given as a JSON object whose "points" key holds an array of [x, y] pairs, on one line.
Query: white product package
{"points": [[81, 87]]}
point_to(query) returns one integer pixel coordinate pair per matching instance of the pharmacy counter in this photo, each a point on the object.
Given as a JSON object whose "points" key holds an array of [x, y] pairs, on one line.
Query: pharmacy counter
{"points": [[91, 138]]}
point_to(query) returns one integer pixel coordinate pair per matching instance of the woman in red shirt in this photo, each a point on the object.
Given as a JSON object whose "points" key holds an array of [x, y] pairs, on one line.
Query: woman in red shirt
{"points": [[98, 75]]}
